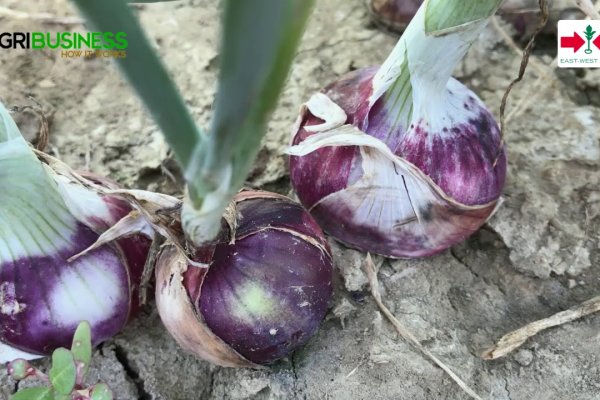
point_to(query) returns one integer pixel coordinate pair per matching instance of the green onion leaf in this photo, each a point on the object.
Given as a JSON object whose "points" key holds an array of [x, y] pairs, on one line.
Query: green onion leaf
{"points": [[147, 75], [441, 15], [260, 38]]}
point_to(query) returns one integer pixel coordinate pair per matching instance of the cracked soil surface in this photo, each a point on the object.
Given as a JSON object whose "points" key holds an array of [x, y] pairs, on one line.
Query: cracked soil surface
{"points": [[537, 256]]}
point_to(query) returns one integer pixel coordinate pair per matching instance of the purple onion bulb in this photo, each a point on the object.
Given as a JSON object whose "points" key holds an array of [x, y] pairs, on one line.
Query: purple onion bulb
{"points": [[403, 160], [264, 291], [45, 297], [45, 219], [443, 185]]}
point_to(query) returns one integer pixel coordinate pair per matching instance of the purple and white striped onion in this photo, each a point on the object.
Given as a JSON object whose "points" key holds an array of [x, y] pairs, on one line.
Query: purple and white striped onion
{"points": [[403, 160], [44, 221]]}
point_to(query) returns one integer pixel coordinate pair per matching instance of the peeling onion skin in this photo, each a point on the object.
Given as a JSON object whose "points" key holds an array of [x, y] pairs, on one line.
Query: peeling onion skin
{"points": [[43, 298], [457, 156], [137, 246], [261, 297]]}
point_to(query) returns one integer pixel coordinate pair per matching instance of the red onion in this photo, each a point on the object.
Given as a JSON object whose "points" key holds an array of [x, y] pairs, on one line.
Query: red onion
{"points": [[393, 14], [262, 288], [45, 219], [403, 160]]}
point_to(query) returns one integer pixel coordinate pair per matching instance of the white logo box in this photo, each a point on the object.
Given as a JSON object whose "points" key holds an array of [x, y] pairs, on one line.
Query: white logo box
{"points": [[579, 44]]}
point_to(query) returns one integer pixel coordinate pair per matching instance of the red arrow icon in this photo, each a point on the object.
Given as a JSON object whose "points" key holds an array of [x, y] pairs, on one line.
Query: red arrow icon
{"points": [[597, 42], [576, 42]]}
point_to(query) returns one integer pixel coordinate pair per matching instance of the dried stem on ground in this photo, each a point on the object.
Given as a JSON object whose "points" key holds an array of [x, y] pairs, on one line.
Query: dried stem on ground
{"points": [[515, 339], [407, 335], [541, 68], [545, 13], [591, 11], [545, 73]]}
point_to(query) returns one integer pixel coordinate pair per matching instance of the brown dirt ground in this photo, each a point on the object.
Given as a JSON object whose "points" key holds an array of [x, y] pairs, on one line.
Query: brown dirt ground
{"points": [[537, 256]]}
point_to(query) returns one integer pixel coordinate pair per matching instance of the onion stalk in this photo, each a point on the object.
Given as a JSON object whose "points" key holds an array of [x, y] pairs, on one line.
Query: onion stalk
{"points": [[45, 220], [260, 38], [244, 280], [403, 160]]}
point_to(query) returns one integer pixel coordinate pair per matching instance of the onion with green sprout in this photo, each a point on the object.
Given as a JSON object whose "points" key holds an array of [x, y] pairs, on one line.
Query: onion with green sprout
{"points": [[45, 220], [403, 160], [243, 279]]}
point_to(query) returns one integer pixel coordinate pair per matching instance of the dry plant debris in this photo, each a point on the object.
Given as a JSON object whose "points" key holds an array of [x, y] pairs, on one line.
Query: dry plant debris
{"points": [[369, 267], [515, 339]]}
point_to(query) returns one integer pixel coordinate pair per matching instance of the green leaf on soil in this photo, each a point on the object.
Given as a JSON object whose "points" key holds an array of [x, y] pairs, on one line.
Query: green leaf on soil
{"points": [[34, 393], [101, 392], [58, 396], [82, 346], [63, 372], [19, 369]]}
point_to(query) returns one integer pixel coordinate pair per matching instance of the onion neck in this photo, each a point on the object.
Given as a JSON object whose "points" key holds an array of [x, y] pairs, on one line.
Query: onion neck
{"points": [[34, 220], [258, 45], [413, 78], [201, 213]]}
